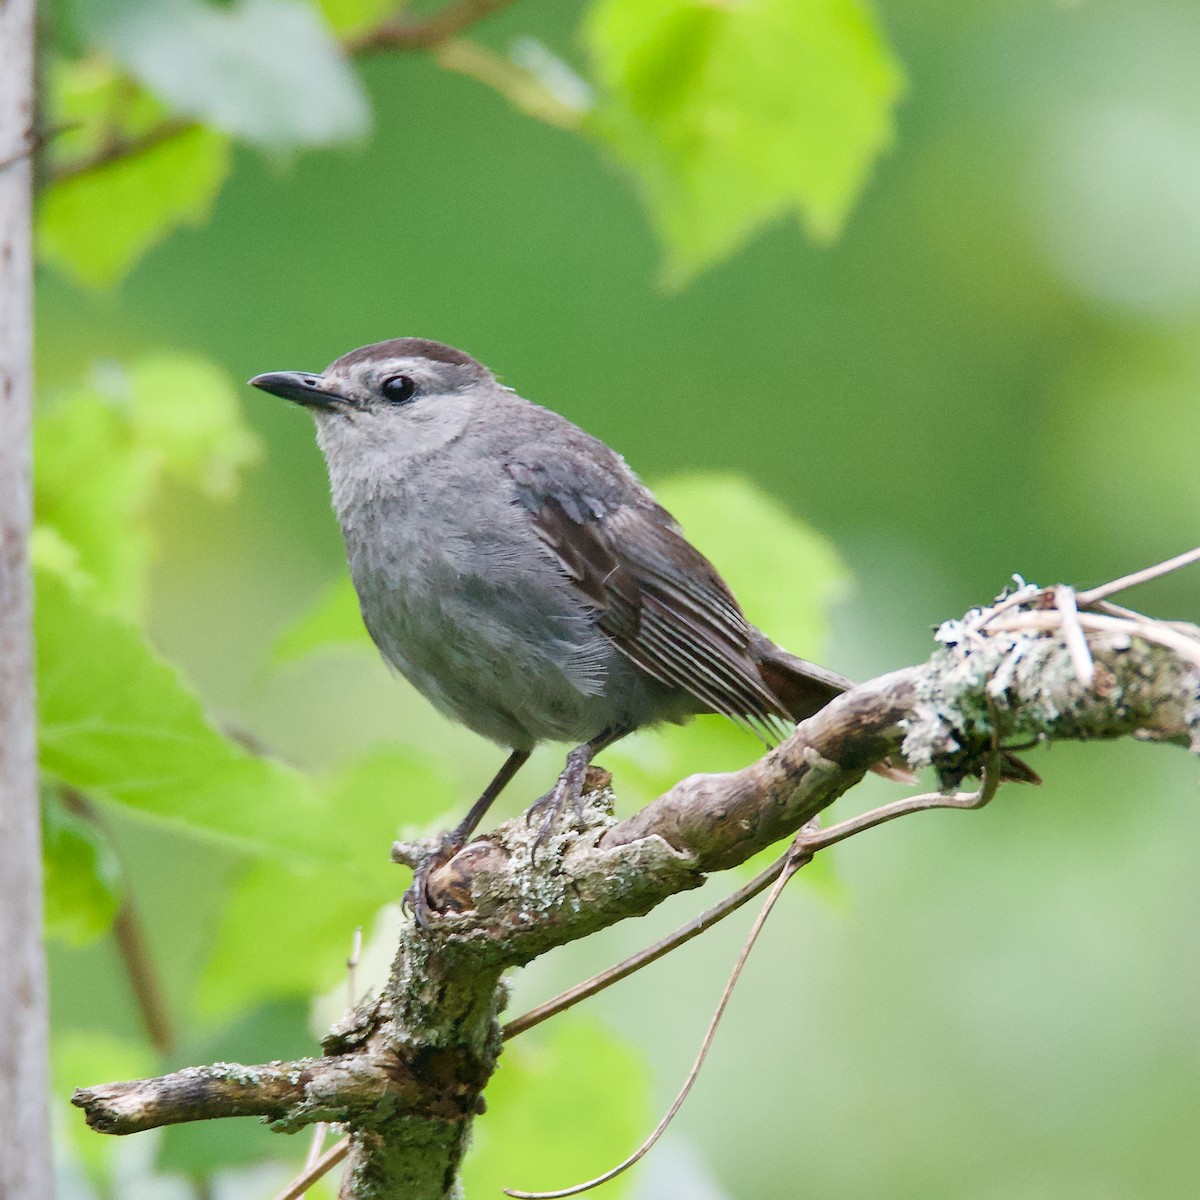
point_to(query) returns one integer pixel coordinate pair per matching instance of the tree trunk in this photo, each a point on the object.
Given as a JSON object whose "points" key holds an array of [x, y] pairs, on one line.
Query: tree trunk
{"points": [[25, 1172]]}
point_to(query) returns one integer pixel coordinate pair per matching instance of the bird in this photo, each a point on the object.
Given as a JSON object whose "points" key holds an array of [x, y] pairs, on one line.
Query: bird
{"points": [[518, 573]]}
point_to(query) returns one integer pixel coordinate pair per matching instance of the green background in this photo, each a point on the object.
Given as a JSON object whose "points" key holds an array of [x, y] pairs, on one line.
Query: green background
{"points": [[994, 369]]}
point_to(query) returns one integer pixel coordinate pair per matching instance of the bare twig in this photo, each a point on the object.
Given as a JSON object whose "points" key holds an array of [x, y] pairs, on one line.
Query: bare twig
{"points": [[290, 1095], [1085, 669], [517, 84], [314, 1171], [1148, 630], [449, 22], [316, 1145], [130, 937], [1142, 576], [1116, 610], [816, 839], [119, 149], [143, 976], [1022, 594], [992, 778]]}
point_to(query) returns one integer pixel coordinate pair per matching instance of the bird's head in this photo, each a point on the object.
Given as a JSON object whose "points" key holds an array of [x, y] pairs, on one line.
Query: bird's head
{"points": [[408, 389]]}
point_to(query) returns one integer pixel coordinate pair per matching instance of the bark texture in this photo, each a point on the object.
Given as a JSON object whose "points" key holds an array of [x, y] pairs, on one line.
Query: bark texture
{"points": [[24, 1132]]}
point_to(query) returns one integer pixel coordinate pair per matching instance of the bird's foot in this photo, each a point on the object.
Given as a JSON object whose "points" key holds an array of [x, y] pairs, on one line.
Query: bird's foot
{"points": [[568, 790], [417, 899]]}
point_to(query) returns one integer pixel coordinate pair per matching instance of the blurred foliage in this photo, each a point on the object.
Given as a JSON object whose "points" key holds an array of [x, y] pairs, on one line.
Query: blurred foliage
{"points": [[795, 97], [577, 1094], [191, 1150], [394, 792], [120, 725], [791, 98], [78, 1058], [94, 223], [785, 575], [355, 16], [97, 223], [267, 71], [106, 451], [82, 876], [994, 369], [333, 620]]}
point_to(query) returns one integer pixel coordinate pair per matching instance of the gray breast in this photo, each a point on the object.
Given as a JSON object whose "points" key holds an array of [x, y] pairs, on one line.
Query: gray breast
{"points": [[460, 596]]}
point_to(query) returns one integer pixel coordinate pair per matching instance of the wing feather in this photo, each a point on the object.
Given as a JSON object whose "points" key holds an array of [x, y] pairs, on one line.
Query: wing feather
{"points": [[658, 599]]}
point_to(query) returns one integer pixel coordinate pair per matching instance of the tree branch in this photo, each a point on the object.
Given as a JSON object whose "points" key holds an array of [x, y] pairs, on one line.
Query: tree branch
{"points": [[406, 1073], [25, 1163], [288, 1095], [118, 149], [518, 85], [130, 937], [431, 31]]}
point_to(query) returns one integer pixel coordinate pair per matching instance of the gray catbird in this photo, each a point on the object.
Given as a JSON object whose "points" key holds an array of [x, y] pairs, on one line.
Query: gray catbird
{"points": [[519, 574]]}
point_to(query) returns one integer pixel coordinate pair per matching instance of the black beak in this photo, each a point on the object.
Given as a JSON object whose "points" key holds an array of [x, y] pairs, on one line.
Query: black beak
{"points": [[309, 390]]}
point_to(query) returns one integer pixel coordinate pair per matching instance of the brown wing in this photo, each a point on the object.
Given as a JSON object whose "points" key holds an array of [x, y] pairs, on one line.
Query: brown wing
{"points": [[659, 600]]}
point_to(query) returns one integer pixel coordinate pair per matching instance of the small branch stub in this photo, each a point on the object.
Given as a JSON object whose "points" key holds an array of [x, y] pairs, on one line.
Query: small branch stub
{"points": [[288, 1095]]}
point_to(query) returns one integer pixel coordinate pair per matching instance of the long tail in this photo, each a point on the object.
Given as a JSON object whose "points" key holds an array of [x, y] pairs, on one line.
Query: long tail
{"points": [[803, 688]]}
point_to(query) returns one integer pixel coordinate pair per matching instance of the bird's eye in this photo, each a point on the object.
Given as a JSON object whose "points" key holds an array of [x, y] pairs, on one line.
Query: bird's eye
{"points": [[399, 389]]}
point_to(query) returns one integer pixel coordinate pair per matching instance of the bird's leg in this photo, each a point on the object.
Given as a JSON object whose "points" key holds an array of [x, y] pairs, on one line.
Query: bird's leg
{"points": [[569, 788], [467, 826], [417, 896]]}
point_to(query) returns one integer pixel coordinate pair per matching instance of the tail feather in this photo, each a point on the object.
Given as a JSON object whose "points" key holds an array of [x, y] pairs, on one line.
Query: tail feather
{"points": [[802, 687]]}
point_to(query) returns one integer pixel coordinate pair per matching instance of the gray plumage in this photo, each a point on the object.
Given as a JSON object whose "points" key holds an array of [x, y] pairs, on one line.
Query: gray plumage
{"points": [[518, 573]]}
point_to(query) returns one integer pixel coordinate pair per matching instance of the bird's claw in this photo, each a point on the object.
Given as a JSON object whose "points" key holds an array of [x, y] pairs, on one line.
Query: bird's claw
{"points": [[568, 790], [417, 900]]}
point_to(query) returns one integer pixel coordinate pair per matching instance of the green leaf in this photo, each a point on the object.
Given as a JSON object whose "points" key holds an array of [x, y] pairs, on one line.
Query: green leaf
{"points": [[185, 411], [734, 114], [92, 491], [355, 16], [123, 172], [95, 107], [102, 210], [82, 877], [51, 550], [102, 453], [560, 1110], [97, 223], [333, 621], [121, 725], [288, 927], [268, 71]]}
